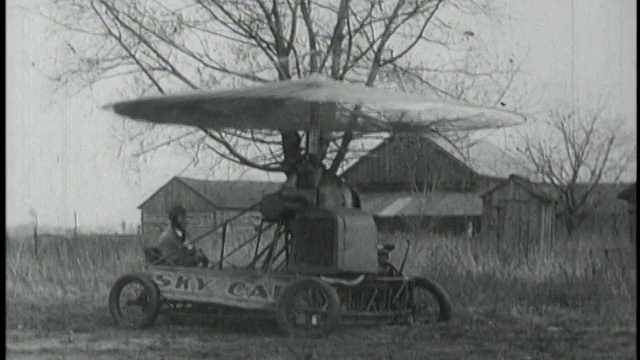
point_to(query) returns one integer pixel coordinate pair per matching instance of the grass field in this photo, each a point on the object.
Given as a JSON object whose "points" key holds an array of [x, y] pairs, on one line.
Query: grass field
{"points": [[66, 288]]}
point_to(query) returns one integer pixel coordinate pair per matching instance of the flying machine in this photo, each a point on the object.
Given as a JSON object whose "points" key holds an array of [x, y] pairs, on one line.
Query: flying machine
{"points": [[324, 263]]}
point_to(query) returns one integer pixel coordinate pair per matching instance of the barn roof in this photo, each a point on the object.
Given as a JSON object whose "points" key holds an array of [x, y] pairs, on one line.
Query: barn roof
{"points": [[226, 194], [231, 194], [390, 204], [482, 156]]}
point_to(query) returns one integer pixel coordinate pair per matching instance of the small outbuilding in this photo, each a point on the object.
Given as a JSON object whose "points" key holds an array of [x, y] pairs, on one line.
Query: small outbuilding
{"points": [[519, 216], [629, 195]]}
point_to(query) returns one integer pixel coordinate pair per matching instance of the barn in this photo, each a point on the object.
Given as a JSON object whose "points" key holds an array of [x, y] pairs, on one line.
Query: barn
{"points": [[629, 195], [519, 216], [429, 182], [208, 204]]}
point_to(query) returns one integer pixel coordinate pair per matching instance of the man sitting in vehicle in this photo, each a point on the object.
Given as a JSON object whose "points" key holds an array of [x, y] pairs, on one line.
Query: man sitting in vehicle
{"points": [[173, 246], [385, 268]]}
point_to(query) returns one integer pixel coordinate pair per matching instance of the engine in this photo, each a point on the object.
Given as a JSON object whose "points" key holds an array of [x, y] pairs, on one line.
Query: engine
{"points": [[329, 233]]}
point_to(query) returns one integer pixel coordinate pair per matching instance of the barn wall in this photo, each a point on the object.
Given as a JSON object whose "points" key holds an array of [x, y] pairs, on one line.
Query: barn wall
{"points": [[154, 221], [444, 225], [400, 164], [200, 213]]}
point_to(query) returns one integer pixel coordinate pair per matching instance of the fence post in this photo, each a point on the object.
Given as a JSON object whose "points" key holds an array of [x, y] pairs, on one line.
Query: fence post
{"points": [[75, 226], [36, 244]]}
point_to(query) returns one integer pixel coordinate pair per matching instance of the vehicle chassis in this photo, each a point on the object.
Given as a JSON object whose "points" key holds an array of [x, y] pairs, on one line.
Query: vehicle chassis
{"points": [[266, 287]]}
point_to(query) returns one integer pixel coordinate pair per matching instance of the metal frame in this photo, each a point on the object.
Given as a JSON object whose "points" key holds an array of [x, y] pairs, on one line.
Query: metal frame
{"points": [[371, 299]]}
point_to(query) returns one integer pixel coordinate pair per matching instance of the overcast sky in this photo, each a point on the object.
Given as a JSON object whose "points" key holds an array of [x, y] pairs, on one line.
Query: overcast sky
{"points": [[62, 154]]}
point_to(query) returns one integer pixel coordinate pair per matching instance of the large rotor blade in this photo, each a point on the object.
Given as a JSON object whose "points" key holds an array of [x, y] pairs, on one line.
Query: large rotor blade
{"points": [[287, 105]]}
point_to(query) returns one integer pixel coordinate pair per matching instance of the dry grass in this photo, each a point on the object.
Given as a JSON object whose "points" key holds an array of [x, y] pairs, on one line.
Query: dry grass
{"points": [[570, 278], [70, 282]]}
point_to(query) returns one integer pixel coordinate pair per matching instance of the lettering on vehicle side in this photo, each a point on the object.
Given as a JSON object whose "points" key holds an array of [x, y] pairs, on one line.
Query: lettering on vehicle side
{"points": [[254, 291], [239, 289], [181, 282]]}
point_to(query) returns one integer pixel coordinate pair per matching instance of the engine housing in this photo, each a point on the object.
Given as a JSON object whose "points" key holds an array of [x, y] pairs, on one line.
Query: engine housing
{"points": [[333, 241]]}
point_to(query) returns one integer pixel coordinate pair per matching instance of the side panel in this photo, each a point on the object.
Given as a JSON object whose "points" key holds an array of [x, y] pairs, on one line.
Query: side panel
{"points": [[243, 289], [358, 241]]}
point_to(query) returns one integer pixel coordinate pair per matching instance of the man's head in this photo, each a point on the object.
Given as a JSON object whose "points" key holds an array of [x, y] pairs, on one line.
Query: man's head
{"points": [[178, 216]]}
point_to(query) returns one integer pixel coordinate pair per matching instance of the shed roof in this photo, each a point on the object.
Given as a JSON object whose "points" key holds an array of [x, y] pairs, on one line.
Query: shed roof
{"points": [[628, 194], [390, 204], [603, 198], [226, 194], [483, 156], [539, 190]]}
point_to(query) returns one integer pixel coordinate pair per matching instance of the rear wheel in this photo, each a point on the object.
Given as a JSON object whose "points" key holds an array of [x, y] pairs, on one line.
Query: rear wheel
{"points": [[308, 308], [430, 302], [134, 301]]}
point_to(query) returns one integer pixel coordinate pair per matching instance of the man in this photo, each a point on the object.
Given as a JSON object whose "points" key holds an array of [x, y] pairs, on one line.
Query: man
{"points": [[385, 268], [174, 248]]}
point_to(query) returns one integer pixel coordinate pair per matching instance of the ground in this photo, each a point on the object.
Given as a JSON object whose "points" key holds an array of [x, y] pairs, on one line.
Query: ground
{"points": [[468, 336]]}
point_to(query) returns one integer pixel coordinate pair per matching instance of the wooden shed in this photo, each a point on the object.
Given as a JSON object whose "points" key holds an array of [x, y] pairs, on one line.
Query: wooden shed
{"points": [[629, 195], [519, 216], [208, 204]]}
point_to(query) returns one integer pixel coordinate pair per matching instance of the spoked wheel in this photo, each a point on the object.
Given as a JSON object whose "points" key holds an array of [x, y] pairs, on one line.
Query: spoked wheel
{"points": [[134, 301], [431, 303], [308, 308]]}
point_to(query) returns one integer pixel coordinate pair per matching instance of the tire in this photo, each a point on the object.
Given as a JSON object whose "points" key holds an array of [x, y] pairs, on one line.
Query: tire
{"points": [[149, 300], [444, 302], [331, 309]]}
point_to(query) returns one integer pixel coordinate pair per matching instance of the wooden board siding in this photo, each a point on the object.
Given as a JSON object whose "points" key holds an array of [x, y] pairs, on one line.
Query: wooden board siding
{"points": [[445, 225], [204, 213], [519, 221], [400, 163], [237, 232]]}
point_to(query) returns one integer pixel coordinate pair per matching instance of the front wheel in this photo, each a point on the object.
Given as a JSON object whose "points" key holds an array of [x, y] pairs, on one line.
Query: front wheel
{"points": [[134, 301], [430, 302], [308, 308]]}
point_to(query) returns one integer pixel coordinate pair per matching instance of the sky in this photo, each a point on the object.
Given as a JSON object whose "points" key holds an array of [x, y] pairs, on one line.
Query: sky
{"points": [[62, 151]]}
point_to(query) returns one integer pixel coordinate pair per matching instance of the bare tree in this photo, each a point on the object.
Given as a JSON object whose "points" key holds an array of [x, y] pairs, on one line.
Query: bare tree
{"points": [[161, 46], [582, 150]]}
